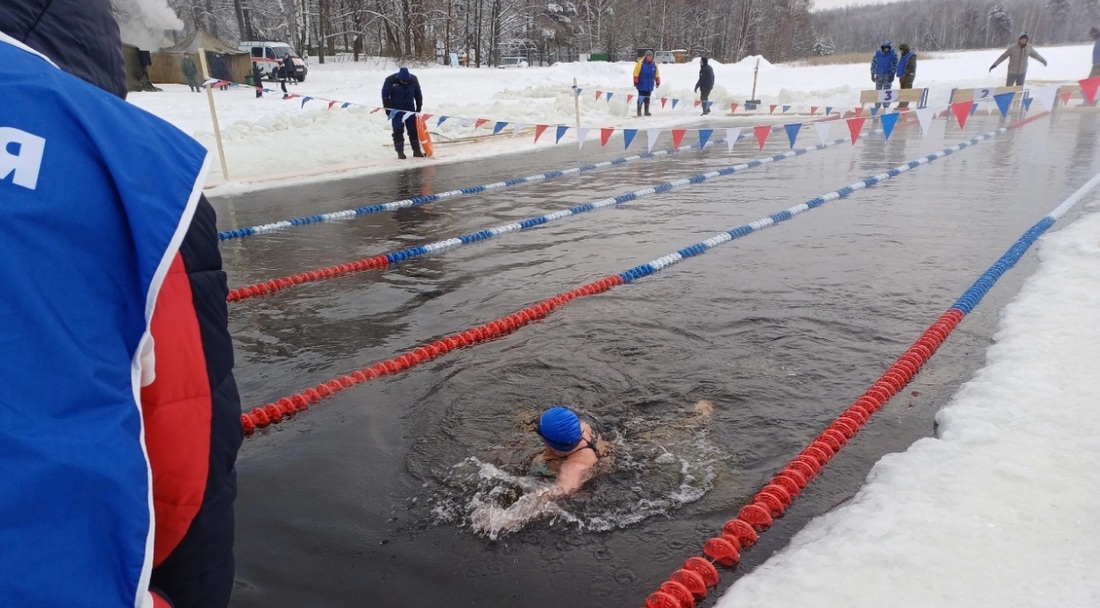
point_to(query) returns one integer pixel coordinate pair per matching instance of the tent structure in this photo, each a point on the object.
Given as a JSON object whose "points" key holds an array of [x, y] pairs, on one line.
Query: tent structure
{"points": [[223, 61], [136, 60]]}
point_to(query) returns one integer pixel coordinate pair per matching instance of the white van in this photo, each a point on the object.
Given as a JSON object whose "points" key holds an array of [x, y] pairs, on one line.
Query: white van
{"points": [[269, 55]]}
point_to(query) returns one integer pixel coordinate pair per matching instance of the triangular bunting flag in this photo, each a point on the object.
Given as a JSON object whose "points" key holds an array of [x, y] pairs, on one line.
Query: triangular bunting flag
{"points": [[1066, 97], [732, 135], [516, 130], [973, 109], [889, 120], [855, 125], [733, 108], [674, 102], [599, 94], [609, 97], [704, 136], [332, 103], [539, 129], [762, 134], [651, 138], [480, 121], [344, 105], [792, 132], [823, 130], [859, 112], [813, 110], [561, 131], [1088, 87], [582, 134], [390, 113], [677, 137], [628, 137], [924, 117], [773, 107], [629, 96], [1004, 102], [1046, 95], [605, 134], [427, 117], [961, 110], [664, 100], [785, 108], [305, 99], [698, 103], [497, 128], [441, 119], [751, 106], [1027, 102], [828, 110], [578, 92]]}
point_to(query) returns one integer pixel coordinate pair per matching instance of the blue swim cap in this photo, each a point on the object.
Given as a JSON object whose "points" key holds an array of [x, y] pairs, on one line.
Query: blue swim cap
{"points": [[560, 428]]}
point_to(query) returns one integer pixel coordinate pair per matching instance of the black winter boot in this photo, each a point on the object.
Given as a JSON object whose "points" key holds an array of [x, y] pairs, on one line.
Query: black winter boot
{"points": [[418, 154], [647, 107]]}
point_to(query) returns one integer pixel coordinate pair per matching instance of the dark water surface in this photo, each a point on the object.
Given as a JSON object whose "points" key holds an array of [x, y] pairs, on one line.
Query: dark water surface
{"points": [[364, 500]]}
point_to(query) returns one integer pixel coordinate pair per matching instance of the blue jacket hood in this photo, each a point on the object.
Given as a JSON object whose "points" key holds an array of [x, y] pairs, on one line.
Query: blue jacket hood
{"points": [[80, 36]]}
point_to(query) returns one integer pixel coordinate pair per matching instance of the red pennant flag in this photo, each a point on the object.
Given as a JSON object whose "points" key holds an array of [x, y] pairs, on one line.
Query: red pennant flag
{"points": [[538, 131], [293, 96], [762, 134], [427, 117], [375, 110], [664, 100], [961, 111], [1088, 87], [813, 110], [332, 103], [859, 112], [698, 103], [599, 94], [629, 97], [855, 125], [733, 108], [479, 122], [773, 107], [605, 134], [1066, 97], [677, 137]]}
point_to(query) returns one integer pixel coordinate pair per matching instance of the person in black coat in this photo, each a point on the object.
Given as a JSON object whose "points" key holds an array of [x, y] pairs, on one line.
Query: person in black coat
{"points": [[258, 79], [705, 83], [402, 100]]}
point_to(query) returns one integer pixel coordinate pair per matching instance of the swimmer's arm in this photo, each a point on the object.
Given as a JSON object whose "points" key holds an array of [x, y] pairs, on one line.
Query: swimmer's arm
{"points": [[571, 477]]}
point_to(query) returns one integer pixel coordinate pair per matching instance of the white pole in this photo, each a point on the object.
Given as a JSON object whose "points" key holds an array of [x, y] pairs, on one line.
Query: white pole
{"points": [[577, 102], [213, 115]]}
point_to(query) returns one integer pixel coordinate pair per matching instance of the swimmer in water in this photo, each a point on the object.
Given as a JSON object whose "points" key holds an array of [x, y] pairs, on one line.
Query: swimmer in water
{"points": [[573, 450]]}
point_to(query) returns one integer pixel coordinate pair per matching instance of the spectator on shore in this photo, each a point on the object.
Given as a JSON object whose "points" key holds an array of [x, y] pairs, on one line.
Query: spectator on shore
{"points": [[1017, 56], [258, 79], [705, 84], [1095, 33], [189, 72], [646, 79], [884, 66], [907, 70], [402, 100]]}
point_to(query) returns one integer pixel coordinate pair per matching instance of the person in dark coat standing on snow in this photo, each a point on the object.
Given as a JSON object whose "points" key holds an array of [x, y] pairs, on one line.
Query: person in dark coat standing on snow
{"points": [[646, 79], [1095, 33], [705, 84], [884, 66], [1017, 55], [907, 70], [258, 79], [402, 100], [120, 422], [189, 72]]}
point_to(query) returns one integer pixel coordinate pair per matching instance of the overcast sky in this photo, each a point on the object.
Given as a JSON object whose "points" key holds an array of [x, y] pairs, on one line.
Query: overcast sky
{"points": [[824, 4]]}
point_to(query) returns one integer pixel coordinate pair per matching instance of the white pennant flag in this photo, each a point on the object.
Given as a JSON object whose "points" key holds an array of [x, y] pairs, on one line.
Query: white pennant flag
{"points": [[582, 133], [732, 135], [1047, 96], [465, 122], [651, 136], [823, 130], [519, 127], [924, 117]]}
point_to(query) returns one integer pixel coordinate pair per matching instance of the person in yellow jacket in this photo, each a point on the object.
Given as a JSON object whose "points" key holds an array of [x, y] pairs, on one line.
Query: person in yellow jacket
{"points": [[646, 78]]}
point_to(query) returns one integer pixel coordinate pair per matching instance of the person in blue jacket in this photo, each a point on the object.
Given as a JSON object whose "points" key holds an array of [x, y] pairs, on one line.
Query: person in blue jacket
{"points": [[646, 80], [120, 419], [884, 66], [402, 100]]}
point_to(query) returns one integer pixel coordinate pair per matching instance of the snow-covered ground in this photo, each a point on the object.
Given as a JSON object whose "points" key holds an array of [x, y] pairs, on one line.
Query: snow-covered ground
{"points": [[271, 139]]}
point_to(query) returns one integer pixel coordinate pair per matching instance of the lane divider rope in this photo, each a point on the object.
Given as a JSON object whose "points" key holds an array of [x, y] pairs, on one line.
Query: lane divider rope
{"points": [[429, 198], [393, 258], [287, 407], [691, 582]]}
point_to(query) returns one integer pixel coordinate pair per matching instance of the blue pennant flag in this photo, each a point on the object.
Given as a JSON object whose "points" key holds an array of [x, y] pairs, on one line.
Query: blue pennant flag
{"points": [[391, 113], [441, 119], [704, 135], [1027, 103], [561, 132], [792, 131], [674, 102], [497, 128], [304, 100], [628, 136], [1004, 101], [750, 106], [874, 111], [828, 110], [609, 97], [785, 108], [344, 105], [579, 92], [973, 109], [888, 122]]}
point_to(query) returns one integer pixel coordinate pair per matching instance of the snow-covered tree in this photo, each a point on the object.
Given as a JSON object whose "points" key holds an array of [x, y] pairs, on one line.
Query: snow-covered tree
{"points": [[823, 46]]}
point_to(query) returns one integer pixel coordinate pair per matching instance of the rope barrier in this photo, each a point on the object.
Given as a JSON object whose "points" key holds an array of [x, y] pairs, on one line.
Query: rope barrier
{"points": [[390, 259], [287, 407], [430, 198], [772, 501]]}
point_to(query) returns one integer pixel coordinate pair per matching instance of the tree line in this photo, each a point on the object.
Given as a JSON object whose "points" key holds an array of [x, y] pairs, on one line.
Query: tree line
{"points": [[546, 31]]}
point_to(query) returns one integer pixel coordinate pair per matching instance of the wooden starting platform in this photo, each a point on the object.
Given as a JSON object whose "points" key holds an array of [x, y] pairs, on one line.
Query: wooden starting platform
{"points": [[917, 96], [986, 94]]}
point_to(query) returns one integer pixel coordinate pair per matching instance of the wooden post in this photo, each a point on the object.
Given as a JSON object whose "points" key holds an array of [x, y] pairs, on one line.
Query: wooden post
{"points": [[213, 114], [577, 102]]}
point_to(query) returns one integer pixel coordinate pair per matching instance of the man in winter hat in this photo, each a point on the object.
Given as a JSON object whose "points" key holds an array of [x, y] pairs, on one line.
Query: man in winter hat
{"points": [[1017, 56]]}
